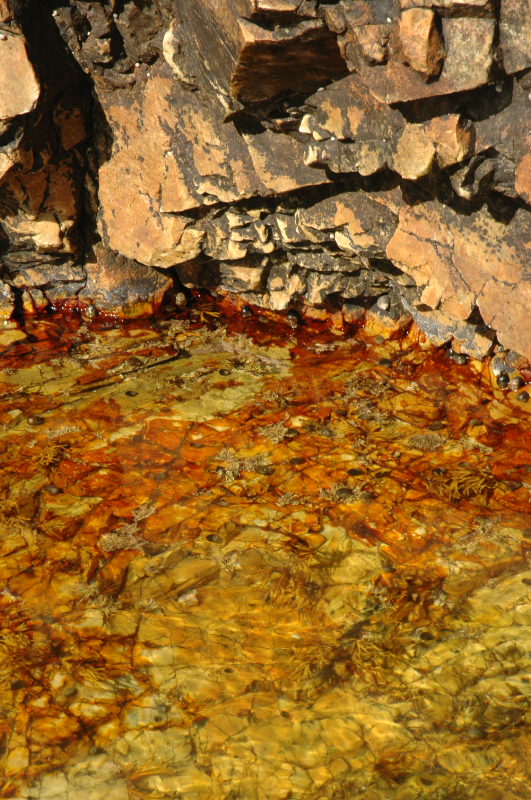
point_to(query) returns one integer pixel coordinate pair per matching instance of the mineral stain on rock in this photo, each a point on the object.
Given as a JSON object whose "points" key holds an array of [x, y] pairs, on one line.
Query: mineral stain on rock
{"points": [[198, 603]]}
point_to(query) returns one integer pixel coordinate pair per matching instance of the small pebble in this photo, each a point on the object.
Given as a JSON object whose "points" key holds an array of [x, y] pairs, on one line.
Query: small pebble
{"points": [[91, 311], [224, 372], [436, 426], [516, 383], [354, 472], [379, 339], [460, 359], [450, 353], [383, 303], [439, 471], [475, 423], [51, 489], [497, 368], [267, 470], [499, 87], [292, 318], [180, 299], [133, 361], [213, 537], [366, 496], [344, 492], [297, 460], [246, 312], [3, 37], [131, 393], [523, 397], [385, 362], [35, 420], [503, 380]]}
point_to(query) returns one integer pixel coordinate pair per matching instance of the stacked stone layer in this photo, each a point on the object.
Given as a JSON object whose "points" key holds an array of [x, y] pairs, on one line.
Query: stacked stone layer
{"points": [[333, 157]]}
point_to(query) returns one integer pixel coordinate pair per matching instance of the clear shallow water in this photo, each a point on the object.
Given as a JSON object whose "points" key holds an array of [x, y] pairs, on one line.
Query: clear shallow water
{"points": [[263, 564]]}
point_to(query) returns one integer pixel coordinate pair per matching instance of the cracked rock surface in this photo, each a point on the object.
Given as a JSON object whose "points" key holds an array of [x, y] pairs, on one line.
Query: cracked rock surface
{"points": [[303, 155]]}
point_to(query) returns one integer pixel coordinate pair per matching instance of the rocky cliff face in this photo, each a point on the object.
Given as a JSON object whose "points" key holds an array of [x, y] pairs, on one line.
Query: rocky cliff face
{"points": [[353, 160]]}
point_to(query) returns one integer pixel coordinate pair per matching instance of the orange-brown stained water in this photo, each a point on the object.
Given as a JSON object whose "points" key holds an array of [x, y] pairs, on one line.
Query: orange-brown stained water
{"points": [[258, 563]]}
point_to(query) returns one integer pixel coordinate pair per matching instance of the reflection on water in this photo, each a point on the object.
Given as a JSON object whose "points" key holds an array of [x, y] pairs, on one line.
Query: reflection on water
{"points": [[260, 564]]}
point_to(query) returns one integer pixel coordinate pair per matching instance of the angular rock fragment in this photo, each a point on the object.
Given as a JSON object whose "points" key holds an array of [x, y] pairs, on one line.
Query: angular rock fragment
{"points": [[421, 41], [440, 327], [464, 261], [523, 172], [469, 45], [372, 41], [447, 140], [20, 85], [195, 161], [123, 287], [356, 223], [454, 8], [515, 34], [241, 278], [245, 63], [7, 300]]}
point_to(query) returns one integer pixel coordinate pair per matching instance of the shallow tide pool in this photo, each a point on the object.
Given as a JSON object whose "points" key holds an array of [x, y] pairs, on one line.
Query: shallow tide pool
{"points": [[243, 561]]}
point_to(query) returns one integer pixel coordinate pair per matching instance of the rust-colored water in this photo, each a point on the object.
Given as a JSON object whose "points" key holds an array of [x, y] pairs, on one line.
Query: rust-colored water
{"points": [[258, 563]]}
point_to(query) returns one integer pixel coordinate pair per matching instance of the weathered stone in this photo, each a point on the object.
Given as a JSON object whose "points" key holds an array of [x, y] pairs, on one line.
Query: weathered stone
{"points": [[348, 110], [448, 138], [236, 278], [323, 261], [523, 173], [123, 287], [243, 62], [367, 227], [421, 41], [284, 285], [469, 44], [441, 328], [46, 275], [279, 165], [454, 8], [7, 301], [195, 161], [140, 27], [372, 41], [515, 34], [20, 86], [321, 286], [464, 261], [352, 313], [415, 153]]}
